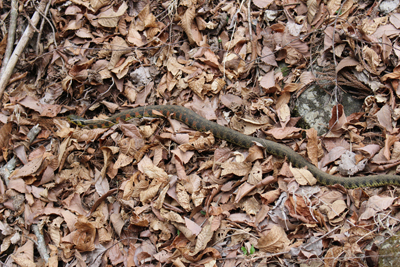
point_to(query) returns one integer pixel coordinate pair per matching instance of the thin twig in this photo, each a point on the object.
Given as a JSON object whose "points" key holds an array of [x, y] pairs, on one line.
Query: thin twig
{"points": [[42, 25], [249, 19], [29, 31], [11, 35]]}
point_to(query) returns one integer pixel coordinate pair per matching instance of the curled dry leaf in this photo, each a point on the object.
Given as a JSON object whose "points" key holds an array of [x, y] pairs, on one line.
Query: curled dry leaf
{"points": [[183, 197], [190, 27], [148, 194], [83, 237], [54, 230]]}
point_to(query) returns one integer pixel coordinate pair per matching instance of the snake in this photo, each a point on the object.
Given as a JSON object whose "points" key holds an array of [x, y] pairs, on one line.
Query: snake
{"points": [[198, 123]]}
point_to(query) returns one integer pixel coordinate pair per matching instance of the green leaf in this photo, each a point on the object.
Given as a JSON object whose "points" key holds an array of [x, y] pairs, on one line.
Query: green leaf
{"points": [[252, 250], [244, 250]]}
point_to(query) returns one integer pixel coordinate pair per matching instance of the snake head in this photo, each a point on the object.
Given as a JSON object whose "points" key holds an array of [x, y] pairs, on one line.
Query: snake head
{"points": [[76, 120]]}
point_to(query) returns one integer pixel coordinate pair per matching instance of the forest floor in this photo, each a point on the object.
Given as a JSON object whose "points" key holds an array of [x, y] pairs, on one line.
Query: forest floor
{"points": [[154, 192]]}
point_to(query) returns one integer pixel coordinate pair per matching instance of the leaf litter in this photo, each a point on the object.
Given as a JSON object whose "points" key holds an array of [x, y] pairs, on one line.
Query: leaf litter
{"points": [[154, 192]]}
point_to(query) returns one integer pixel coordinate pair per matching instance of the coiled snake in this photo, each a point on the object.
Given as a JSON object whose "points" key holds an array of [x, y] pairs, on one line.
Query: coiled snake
{"points": [[201, 124]]}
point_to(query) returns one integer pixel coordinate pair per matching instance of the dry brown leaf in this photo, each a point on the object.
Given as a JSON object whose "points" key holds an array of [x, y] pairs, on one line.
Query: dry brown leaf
{"points": [[312, 8], [336, 209], [109, 18], [283, 114], [274, 241], [118, 44], [333, 6], [183, 197], [283, 133], [271, 196], [262, 3], [148, 19], [161, 197], [243, 190], [148, 194], [369, 25], [54, 230], [204, 237], [97, 4], [251, 206], [173, 66], [303, 176], [185, 231], [117, 223], [333, 255], [236, 168], [172, 216], [192, 226], [23, 262], [371, 57], [122, 69], [267, 82], [199, 143], [346, 62], [198, 86], [268, 57], [190, 27], [386, 48], [83, 237], [28, 169], [312, 146], [255, 175], [122, 161], [374, 205], [104, 236], [384, 117], [337, 121], [147, 167]]}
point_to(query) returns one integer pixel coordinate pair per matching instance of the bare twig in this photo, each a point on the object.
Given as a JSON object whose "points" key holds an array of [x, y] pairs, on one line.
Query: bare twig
{"points": [[11, 35], [249, 19], [41, 244], [20, 47], [42, 25]]}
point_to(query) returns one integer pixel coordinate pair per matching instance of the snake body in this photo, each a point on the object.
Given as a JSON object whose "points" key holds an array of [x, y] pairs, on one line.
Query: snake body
{"points": [[196, 122]]}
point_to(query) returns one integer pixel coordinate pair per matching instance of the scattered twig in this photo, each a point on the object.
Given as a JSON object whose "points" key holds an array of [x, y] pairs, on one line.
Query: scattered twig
{"points": [[11, 35], [41, 244], [44, 15], [20, 47]]}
